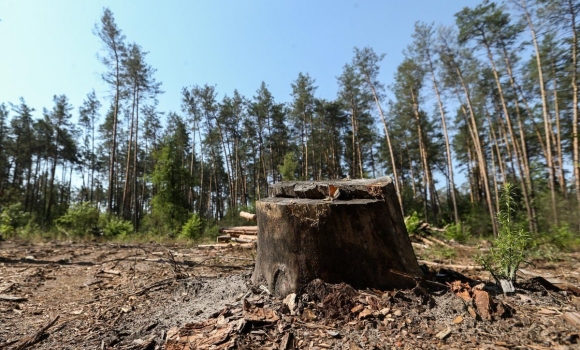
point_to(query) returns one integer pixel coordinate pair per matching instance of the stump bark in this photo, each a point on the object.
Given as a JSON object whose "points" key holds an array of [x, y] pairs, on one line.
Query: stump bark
{"points": [[340, 231]]}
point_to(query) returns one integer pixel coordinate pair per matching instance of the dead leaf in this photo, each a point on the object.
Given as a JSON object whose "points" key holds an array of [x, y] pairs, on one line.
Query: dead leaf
{"points": [[260, 314], [308, 315], [366, 313], [462, 290], [290, 301]]}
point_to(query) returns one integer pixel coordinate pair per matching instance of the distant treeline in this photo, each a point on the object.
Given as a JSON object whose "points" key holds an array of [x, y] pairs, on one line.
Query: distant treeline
{"points": [[494, 97]]}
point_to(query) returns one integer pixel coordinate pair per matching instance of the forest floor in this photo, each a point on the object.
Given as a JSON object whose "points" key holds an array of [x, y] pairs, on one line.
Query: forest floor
{"points": [[95, 295]]}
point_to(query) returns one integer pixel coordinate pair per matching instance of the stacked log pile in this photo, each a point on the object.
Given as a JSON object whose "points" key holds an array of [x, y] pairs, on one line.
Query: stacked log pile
{"points": [[239, 234]]}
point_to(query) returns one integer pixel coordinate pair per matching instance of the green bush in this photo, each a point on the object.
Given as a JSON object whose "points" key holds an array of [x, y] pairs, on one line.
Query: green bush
{"points": [[115, 227], [192, 229], [457, 232], [12, 218], [562, 237], [79, 220], [211, 231], [510, 246], [412, 222]]}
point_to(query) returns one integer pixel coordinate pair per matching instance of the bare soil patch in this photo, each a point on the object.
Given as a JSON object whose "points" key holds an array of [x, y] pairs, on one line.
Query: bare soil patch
{"points": [[65, 295]]}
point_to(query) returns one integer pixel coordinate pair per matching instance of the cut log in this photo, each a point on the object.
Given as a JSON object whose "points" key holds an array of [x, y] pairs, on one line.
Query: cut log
{"points": [[252, 238], [225, 238], [357, 241], [248, 216], [239, 230]]}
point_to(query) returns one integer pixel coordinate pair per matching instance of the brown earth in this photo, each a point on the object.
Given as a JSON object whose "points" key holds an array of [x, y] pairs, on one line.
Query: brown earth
{"points": [[65, 295]]}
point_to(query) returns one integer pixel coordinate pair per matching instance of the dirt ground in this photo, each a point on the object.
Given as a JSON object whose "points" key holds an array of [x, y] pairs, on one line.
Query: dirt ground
{"points": [[67, 295]]}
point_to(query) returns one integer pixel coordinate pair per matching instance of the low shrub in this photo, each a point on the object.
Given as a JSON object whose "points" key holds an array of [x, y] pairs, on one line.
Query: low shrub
{"points": [[192, 229], [115, 227], [458, 232], [79, 219], [12, 218]]}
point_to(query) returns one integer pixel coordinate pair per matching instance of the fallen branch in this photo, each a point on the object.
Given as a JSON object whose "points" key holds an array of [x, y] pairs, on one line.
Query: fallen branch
{"points": [[7, 297], [464, 267], [36, 338]]}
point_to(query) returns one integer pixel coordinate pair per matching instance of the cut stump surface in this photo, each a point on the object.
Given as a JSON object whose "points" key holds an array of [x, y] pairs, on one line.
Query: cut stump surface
{"points": [[359, 240]]}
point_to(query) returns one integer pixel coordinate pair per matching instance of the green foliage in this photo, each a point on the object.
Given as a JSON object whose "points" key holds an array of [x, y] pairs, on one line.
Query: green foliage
{"points": [[565, 239], [192, 229], [12, 218], [457, 232], [288, 169], [170, 178], [412, 222], [79, 219], [509, 249], [443, 253], [115, 227], [211, 231]]}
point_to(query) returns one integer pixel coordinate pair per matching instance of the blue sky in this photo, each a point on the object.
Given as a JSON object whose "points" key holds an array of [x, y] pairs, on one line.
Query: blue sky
{"points": [[47, 46]]}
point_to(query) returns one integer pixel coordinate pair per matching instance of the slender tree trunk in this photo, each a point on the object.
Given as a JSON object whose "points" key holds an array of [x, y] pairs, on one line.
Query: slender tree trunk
{"points": [[114, 141], [549, 160], [558, 138], [445, 136], [424, 160], [135, 213], [575, 146], [393, 165], [478, 149], [51, 186], [523, 145]]}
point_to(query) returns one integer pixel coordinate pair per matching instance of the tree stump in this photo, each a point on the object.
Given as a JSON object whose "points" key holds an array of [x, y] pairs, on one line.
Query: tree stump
{"points": [[339, 231]]}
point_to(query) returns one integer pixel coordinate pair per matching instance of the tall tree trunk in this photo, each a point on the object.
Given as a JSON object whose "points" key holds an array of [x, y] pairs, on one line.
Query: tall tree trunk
{"points": [[523, 145], [114, 141], [126, 206], [558, 138], [549, 160], [482, 164], [575, 147], [135, 213], [429, 185], [393, 165], [445, 136]]}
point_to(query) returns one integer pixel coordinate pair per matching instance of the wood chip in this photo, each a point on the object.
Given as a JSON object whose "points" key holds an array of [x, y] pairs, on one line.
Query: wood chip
{"points": [[357, 308], [546, 312], [458, 319], [572, 318], [287, 342], [482, 302], [443, 334]]}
